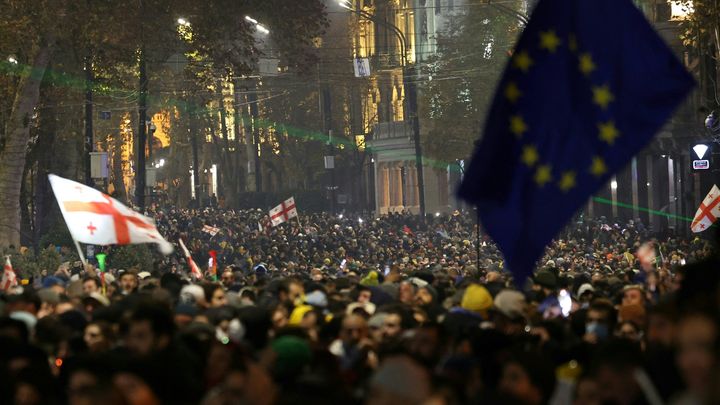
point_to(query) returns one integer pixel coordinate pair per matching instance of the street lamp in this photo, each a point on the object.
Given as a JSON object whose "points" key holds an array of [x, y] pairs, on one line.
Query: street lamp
{"points": [[410, 100], [261, 28]]}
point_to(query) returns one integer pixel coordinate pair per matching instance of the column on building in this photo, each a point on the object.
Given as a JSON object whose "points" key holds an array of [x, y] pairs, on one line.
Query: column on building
{"points": [[397, 203], [385, 189], [411, 186]]}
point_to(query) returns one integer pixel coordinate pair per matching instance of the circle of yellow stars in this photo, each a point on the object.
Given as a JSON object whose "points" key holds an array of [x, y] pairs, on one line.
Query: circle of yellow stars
{"points": [[602, 96]]}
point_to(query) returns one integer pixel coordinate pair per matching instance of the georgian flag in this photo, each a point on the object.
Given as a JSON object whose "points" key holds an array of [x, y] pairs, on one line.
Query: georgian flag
{"points": [[9, 278], [98, 219], [194, 269], [708, 212], [283, 212], [211, 230]]}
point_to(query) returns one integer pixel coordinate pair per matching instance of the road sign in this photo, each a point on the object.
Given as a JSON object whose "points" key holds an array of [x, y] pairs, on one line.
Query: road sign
{"points": [[362, 67], [703, 164]]}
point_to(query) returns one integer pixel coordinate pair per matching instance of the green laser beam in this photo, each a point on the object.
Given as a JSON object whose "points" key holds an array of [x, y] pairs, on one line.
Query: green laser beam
{"points": [[67, 80], [643, 209]]}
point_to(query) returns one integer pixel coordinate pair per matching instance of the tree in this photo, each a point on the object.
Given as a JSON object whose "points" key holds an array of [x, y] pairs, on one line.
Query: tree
{"points": [[701, 34], [460, 84], [29, 31]]}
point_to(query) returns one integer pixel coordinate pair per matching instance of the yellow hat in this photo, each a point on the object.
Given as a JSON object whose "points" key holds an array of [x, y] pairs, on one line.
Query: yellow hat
{"points": [[298, 314], [476, 299]]}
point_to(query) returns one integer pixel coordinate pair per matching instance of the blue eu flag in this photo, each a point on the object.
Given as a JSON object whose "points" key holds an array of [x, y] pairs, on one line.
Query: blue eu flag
{"points": [[588, 85]]}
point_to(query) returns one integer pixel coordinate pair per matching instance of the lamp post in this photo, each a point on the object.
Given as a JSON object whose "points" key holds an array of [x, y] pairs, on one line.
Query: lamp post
{"points": [[253, 138], [410, 98]]}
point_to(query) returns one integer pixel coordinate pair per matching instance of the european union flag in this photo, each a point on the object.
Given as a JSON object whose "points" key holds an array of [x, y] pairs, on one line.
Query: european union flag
{"points": [[588, 85]]}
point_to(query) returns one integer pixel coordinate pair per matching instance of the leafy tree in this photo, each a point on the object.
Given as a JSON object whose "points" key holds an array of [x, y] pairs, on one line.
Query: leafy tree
{"points": [[461, 78], [125, 257]]}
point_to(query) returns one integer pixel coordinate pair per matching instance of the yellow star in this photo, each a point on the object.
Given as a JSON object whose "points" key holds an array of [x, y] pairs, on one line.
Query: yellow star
{"points": [[518, 125], [529, 155], [598, 167], [572, 42], [543, 175], [522, 61], [608, 132], [512, 92], [602, 96], [586, 64], [549, 41], [567, 181]]}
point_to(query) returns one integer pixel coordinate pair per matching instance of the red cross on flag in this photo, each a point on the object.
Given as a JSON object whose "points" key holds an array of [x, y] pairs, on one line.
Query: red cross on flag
{"points": [[9, 278], [96, 218], [708, 212], [210, 229], [283, 212], [194, 269]]}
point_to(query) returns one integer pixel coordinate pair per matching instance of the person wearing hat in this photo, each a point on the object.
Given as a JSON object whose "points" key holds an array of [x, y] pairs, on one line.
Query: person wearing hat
{"points": [[49, 299], [634, 295], [544, 284], [93, 301], [473, 310], [55, 283], [585, 294], [509, 315], [128, 282]]}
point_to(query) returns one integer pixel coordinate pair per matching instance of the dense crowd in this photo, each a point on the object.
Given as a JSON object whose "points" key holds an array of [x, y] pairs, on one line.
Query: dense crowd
{"points": [[341, 309]]}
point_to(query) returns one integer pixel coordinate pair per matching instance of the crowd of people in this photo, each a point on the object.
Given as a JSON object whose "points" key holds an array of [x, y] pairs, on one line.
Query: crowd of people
{"points": [[329, 309]]}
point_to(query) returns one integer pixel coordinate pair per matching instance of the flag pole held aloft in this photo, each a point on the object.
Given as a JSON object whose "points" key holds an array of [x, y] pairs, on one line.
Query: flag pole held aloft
{"points": [[96, 218]]}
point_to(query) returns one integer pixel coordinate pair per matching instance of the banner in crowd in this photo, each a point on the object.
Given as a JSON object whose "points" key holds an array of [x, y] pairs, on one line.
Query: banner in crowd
{"points": [[96, 218], [9, 278], [708, 211], [211, 230], [283, 212]]}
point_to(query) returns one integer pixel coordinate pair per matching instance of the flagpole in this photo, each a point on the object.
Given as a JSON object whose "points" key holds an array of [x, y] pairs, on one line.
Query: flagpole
{"points": [[80, 253]]}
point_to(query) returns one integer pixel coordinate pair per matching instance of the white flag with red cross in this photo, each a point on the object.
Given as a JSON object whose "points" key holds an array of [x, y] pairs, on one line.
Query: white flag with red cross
{"points": [[194, 269], [708, 212], [98, 219], [211, 230], [9, 278], [283, 212]]}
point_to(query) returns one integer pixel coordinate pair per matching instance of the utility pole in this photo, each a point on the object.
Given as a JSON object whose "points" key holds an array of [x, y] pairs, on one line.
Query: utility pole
{"points": [[151, 140], [415, 125], [325, 112], [194, 145], [141, 139], [252, 99], [88, 119], [250, 181]]}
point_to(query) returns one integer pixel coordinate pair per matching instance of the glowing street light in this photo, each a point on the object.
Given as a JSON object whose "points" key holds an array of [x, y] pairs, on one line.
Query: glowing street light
{"points": [[261, 28], [183, 22]]}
